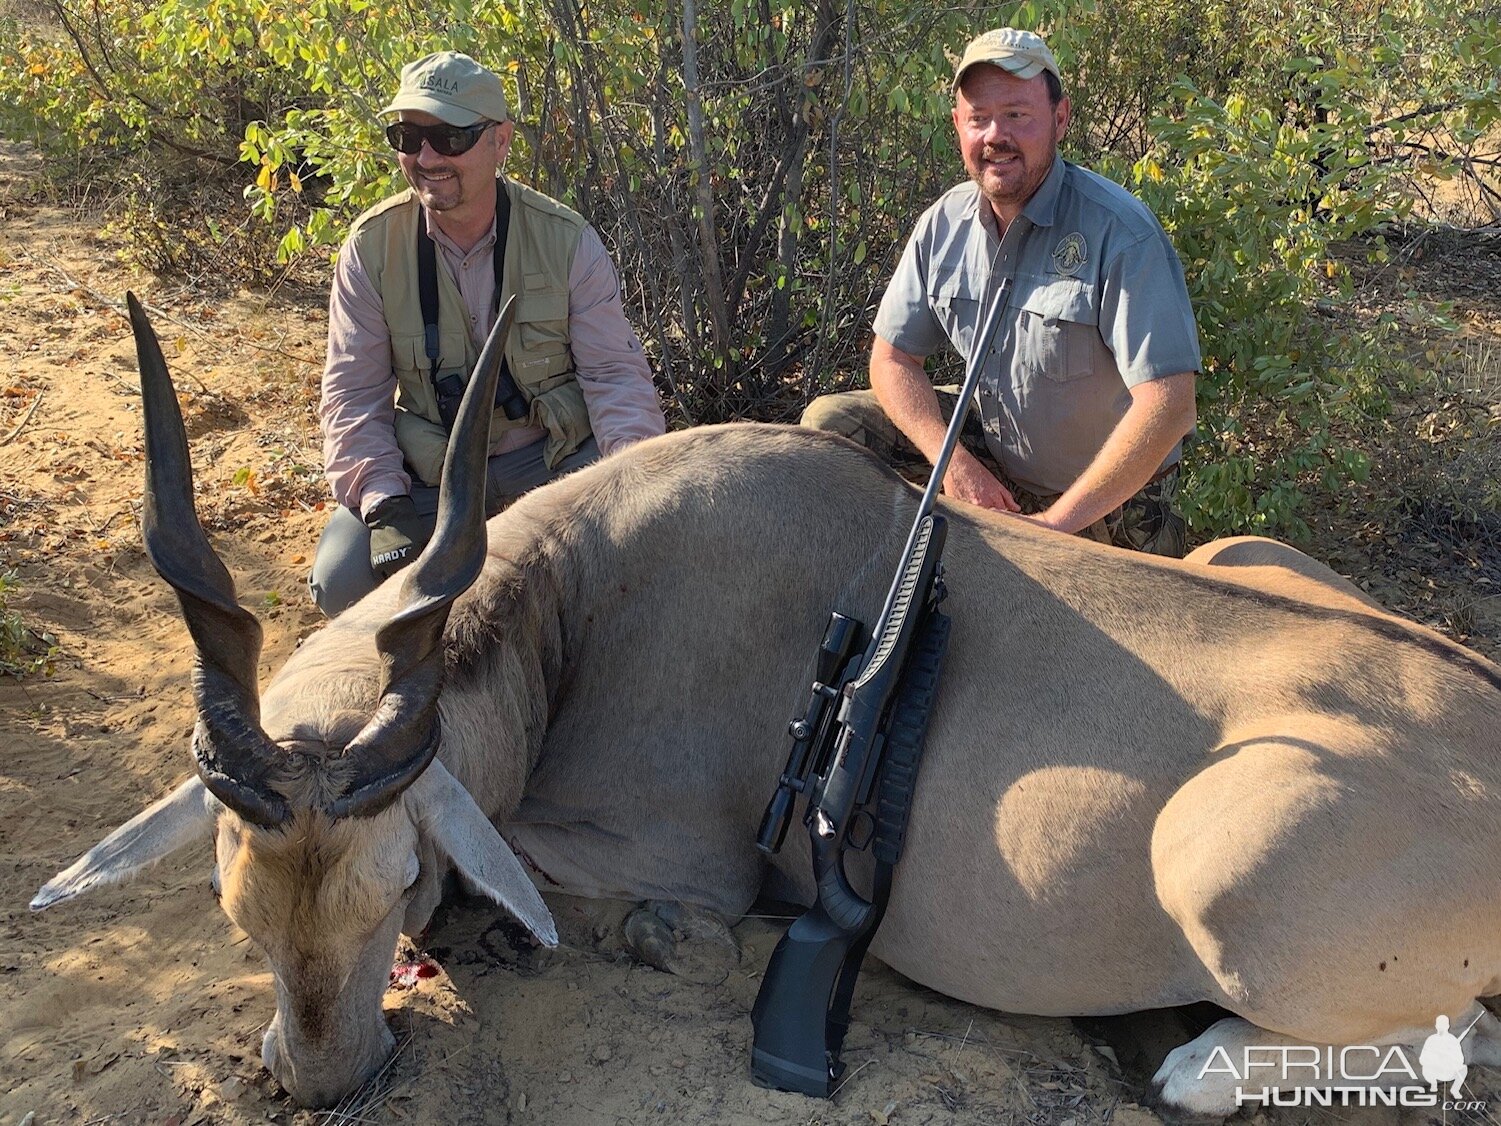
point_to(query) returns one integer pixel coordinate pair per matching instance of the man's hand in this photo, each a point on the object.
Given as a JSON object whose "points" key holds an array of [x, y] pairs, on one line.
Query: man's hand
{"points": [[397, 534], [909, 401], [970, 481], [1161, 412]]}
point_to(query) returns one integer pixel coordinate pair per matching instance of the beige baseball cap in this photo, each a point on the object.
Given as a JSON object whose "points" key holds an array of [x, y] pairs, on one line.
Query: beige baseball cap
{"points": [[1023, 53], [453, 88]]}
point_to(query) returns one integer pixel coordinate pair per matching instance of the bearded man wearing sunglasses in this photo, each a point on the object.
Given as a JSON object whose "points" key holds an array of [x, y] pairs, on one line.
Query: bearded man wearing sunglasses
{"points": [[417, 288]]}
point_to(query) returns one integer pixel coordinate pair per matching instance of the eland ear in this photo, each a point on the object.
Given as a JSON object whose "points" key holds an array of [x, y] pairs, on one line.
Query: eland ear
{"points": [[450, 818], [187, 814]]}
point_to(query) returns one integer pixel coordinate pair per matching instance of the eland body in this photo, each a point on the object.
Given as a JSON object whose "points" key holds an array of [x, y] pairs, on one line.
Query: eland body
{"points": [[1147, 783]]}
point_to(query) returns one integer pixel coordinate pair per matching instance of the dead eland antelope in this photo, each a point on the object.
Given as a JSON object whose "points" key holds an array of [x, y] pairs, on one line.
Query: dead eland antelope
{"points": [[1147, 783]]}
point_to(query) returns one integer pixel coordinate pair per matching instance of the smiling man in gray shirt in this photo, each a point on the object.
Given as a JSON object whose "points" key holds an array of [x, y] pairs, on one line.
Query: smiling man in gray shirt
{"points": [[1088, 387]]}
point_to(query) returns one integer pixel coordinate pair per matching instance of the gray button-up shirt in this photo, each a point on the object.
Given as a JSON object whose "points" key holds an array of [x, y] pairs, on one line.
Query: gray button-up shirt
{"points": [[1097, 305]]}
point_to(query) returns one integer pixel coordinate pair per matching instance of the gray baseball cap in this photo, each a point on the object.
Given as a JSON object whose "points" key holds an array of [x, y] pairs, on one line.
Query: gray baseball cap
{"points": [[453, 88], [1023, 53]]}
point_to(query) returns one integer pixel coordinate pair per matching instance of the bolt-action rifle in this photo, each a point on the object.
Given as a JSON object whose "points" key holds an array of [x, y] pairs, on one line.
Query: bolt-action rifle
{"points": [[863, 728]]}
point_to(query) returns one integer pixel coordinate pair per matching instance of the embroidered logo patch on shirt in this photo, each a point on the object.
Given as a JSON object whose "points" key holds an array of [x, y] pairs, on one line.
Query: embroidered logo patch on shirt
{"points": [[1070, 254]]}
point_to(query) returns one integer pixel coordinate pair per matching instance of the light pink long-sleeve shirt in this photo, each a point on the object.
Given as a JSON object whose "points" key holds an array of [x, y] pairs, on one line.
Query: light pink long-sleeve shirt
{"points": [[358, 405]]}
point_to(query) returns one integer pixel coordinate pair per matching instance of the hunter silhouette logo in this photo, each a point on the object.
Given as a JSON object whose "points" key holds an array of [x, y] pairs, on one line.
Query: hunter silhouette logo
{"points": [[1443, 1057]]}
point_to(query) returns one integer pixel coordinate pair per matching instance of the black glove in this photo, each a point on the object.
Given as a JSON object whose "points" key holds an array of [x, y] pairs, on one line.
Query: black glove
{"points": [[397, 534]]}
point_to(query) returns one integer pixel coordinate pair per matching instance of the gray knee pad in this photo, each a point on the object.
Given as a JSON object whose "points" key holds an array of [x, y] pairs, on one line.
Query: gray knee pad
{"points": [[341, 573]]}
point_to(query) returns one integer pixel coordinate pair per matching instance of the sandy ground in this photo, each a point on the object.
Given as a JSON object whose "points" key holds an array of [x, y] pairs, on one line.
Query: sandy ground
{"points": [[142, 1003]]}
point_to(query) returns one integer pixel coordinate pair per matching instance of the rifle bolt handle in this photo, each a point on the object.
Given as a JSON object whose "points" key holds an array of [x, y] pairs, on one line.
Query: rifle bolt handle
{"points": [[822, 825]]}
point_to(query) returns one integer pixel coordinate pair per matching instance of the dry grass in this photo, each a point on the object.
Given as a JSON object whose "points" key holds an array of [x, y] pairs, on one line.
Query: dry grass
{"points": [[365, 1102]]}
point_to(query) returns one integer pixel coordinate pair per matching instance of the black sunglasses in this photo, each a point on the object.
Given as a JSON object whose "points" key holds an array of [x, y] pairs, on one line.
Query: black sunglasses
{"points": [[446, 140]]}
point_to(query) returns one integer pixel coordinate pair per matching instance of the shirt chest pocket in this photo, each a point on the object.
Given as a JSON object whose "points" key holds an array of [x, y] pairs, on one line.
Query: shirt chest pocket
{"points": [[953, 302], [1058, 331]]}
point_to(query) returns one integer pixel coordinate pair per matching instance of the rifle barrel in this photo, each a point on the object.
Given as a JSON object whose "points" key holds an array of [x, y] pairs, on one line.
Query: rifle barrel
{"points": [[983, 336]]}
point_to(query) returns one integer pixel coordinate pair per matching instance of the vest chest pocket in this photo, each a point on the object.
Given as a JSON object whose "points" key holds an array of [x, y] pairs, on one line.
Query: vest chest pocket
{"points": [[1058, 331], [410, 365], [542, 320], [541, 359]]}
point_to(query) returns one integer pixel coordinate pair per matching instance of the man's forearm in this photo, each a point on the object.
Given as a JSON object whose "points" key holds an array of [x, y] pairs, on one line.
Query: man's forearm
{"points": [[612, 371], [1160, 414], [902, 388], [360, 457], [357, 406]]}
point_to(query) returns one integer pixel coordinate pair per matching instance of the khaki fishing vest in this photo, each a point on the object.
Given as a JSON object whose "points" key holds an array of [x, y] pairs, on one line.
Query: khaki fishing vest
{"points": [[539, 254]]}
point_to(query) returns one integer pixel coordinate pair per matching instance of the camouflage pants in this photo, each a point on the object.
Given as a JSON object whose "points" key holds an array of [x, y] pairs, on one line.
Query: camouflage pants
{"points": [[1148, 521]]}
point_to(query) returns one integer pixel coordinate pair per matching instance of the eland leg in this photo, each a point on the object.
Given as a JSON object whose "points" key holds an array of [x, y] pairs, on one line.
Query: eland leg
{"points": [[1324, 873]]}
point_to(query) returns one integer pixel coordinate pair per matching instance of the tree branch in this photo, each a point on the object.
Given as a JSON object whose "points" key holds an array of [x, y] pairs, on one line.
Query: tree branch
{"points": [[708, 250], [1421, 111]]}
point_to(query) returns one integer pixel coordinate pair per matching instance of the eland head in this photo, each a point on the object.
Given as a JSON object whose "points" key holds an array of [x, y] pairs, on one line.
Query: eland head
{"points": [[332, 819]]}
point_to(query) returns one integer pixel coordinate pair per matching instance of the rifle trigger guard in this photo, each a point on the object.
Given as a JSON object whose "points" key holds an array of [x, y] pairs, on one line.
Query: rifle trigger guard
{"points": [[861, 832]]}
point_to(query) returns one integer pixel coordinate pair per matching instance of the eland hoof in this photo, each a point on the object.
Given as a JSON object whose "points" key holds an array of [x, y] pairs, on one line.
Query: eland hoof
{"points": [[687, 942]]}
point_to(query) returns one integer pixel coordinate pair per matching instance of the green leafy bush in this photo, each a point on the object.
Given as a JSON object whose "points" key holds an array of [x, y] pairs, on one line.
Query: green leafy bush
{"points": [[1269, 138]]}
